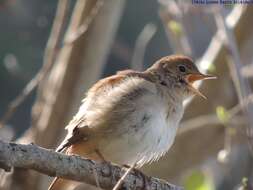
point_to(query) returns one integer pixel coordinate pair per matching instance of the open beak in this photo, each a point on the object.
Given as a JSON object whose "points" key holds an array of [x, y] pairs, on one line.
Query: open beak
{"points": [[191, 78]]}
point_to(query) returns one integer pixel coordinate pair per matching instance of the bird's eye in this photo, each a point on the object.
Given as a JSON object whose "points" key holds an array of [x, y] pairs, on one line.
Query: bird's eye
{"points": [[182, 68]]}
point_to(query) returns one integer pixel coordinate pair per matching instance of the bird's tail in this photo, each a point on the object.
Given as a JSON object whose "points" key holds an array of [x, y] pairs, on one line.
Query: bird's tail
{"points": [[85, 149]]}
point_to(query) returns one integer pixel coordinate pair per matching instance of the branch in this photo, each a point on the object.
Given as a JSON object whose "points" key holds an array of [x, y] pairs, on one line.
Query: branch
{"points": [[75, 35], [49, 57], [76, 67], [141, 44], [212, 119], [75, 168]]}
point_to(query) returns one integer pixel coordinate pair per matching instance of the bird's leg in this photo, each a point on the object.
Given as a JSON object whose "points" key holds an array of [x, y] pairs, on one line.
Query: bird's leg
{"points": [[101, 157], [103, 160], [126, 166], [135, 170]]}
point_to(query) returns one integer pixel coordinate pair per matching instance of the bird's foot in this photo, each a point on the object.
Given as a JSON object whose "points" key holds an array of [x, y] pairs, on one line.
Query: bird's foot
{"points": [[126, 166]]}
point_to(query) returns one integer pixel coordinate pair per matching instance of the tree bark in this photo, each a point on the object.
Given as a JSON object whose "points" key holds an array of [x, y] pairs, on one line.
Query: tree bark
{"points": [[75, 168], [78, 65], [199, 144]]}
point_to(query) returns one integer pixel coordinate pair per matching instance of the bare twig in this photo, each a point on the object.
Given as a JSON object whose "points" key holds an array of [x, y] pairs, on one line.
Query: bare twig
{"points": [[74, 168], [53, 43], [121, 180], [73, 36], [50, 54], [244, 103], [140, 46], [212, 119], [207, 120], [247, 71], [173, 12], [241, 84], [61, 93]]}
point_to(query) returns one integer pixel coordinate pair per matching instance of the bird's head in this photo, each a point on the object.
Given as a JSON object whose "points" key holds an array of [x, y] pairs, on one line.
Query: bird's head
{"points": [[178, 72]]}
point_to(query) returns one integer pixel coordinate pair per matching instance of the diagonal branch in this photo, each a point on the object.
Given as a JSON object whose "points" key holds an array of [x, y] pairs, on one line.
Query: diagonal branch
{"points": [[75, 168], [49, 57]]}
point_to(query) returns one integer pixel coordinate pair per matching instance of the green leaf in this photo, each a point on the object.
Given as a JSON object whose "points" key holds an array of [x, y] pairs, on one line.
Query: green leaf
{"points": [[197, 180], [245, 182], [175, 27], [211, 68], [222, 114]]}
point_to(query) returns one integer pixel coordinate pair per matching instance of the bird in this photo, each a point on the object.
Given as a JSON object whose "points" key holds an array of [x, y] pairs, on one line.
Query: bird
{"points": [[132, 116]]}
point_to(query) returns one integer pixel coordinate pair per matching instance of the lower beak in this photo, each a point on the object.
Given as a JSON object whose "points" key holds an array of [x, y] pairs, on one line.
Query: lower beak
{"points": [[191, 78]]}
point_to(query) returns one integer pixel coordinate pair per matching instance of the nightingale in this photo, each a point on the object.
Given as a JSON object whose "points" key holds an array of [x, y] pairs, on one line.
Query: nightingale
{"points": [[132, 117]]}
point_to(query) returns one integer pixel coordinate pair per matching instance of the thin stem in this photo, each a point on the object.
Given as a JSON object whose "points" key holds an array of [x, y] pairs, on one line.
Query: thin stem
{"points": [[49, 57]]}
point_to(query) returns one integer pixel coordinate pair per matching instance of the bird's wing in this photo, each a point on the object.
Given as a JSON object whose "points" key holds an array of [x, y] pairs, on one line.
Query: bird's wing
{"points": [[91, 110]]}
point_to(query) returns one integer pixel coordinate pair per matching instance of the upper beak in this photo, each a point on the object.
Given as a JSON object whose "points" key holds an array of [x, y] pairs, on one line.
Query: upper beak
{"points": [[191, 78]]}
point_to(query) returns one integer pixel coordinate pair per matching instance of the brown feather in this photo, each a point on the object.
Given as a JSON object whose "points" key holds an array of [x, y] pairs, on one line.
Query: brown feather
{"points": [[79, 134]]}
